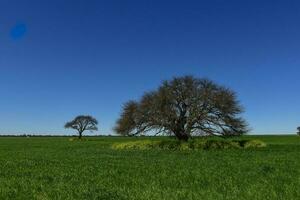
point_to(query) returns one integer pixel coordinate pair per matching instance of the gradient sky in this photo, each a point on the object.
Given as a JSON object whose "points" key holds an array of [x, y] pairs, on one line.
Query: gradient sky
{"points": [[60, 58]]}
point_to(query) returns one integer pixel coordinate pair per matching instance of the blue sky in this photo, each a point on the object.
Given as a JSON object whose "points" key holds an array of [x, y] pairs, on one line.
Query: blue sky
{"points": [[60, 58]]}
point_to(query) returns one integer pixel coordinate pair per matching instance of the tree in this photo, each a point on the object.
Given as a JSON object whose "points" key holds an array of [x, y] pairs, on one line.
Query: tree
{"points": [[82, 123], [298, 130], [184, 107]]}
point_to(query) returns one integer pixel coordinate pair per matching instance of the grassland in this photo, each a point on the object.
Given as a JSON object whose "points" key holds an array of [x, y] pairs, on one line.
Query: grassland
{"points": [[56, 168]]}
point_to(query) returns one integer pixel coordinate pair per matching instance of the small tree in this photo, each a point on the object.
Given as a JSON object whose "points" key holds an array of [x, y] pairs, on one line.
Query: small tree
{"points": [[298, 133], [183, 107], [82, 123]]}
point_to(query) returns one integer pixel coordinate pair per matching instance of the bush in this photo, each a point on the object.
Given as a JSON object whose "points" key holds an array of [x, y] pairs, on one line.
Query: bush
{"points": [[197, 144], [219, 144], [254, 144], [169, 144], [141, 145], [77, 139], [194, 144]]}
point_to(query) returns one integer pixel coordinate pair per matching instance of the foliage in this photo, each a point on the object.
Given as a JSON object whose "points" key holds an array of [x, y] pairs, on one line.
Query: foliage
{"points": [[139, 145], [83, 123], [184, 107], [195, 144], [78, 139], [54, 168], [254, 144], [298, 133], [222, 144]]}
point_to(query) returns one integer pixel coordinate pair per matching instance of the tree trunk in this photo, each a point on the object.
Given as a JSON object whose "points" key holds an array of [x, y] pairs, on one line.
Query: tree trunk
{"points": [[80, 135], [181, 135], [180, 131]]}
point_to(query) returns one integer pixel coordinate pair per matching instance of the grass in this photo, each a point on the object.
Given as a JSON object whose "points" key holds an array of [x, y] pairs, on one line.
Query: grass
{"points": [[56, 168]]}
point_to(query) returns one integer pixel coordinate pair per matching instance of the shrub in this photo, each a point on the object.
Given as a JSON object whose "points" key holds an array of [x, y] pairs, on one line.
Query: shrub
{"points": [[184, 146], [169, 144], [222, 144], [254, 144], [141, 145], [195, 144], [77, 139], [214, 144]]}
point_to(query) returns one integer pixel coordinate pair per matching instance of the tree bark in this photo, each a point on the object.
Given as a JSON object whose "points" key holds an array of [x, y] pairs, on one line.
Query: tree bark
{"points": [[180, 132], [80, 135], [181, 135]]}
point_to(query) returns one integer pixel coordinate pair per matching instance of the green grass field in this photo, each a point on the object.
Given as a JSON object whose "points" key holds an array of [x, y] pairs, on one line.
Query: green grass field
{"points": [[56, 168]]}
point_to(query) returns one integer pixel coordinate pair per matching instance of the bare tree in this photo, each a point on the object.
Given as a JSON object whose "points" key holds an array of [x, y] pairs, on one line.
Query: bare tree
{"points": [[184, 106], [82, 123]]}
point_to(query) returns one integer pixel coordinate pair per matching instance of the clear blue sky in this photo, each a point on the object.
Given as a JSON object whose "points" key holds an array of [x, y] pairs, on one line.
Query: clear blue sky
{"points": [[60, 58]]}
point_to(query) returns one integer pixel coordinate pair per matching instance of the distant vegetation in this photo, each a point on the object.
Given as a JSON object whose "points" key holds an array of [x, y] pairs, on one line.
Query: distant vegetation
{"points": [[83, 123], [298, 130], [183, 107]]}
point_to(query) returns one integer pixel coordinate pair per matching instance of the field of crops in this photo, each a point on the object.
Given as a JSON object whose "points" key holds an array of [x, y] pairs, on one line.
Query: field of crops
{"points": [[57, 168]]}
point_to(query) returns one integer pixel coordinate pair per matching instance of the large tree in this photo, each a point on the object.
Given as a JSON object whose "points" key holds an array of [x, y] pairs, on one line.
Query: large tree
{"points": [[184, 107], [83, 123]]}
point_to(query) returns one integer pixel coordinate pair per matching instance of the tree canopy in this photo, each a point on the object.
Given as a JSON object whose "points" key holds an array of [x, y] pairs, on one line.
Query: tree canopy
{"points": [[82, 123], [184, 107]]}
